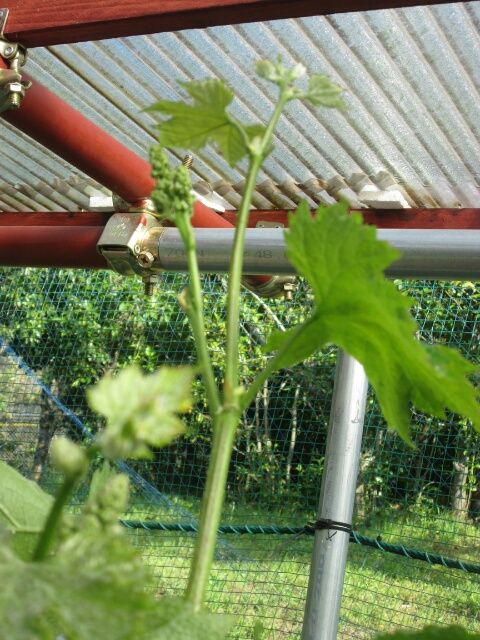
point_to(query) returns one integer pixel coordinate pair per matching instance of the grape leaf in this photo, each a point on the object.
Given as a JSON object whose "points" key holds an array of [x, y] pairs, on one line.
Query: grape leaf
{"points": [[23, 508], [141, 410], [94, 589], [431, 632], [192, 126], [322, 92], [361, 311]]}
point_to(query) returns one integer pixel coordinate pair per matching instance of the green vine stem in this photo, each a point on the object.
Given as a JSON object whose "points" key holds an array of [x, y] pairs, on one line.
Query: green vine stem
{"points": [[227, 420], [48, 534], [192, 302]]}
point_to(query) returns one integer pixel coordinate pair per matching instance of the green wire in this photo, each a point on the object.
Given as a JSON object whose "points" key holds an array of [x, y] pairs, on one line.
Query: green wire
{"points": [[271, 529]]}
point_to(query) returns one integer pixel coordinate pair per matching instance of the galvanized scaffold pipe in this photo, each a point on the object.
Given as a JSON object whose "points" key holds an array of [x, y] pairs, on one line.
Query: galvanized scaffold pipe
{"points": [[448, 254], [337, 496]]}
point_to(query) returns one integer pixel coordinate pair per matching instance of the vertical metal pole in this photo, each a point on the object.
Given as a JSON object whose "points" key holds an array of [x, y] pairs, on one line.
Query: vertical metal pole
{"points": [[337, 497]]}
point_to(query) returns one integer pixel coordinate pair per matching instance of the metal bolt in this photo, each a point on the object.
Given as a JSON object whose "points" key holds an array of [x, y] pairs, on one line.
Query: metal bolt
{"points": [[8, 50], [288, 289], [136, 249], [188, 160], [14, 101], [145, 259], [149, 286]]}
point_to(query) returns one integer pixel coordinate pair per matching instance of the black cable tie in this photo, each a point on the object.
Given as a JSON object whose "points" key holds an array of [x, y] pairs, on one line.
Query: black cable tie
{"points": [[325, 524]]}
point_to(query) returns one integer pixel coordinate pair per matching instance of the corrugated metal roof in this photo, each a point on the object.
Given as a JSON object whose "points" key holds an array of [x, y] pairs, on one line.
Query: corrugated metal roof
{"points": [[413, 93]]}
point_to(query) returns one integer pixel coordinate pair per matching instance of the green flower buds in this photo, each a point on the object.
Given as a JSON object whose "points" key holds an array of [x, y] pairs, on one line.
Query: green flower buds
{"points": [[172, 195], [67, 457]]}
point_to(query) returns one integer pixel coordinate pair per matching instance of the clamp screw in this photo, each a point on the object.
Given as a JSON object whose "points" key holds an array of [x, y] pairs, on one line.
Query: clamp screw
{"points": [[149, 286], [8, 50], [288, 289], [145, 259], [14, 101]]}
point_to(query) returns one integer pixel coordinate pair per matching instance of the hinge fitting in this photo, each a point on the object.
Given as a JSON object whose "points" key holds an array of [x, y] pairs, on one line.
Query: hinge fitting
{"points": [[12, 87]]}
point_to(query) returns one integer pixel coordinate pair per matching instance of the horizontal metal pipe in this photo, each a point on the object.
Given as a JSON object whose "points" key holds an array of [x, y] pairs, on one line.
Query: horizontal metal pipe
{"points": [[59, 127], [51, 246], [427, 253], [68, 133]]}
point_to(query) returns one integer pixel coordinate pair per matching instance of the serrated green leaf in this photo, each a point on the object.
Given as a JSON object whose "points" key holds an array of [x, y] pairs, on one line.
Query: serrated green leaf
{"points": [[141, 410], [453, 632], [192, 126], [322, 92], [180, 621], [24, 507], [362, 312], [94, 587]]}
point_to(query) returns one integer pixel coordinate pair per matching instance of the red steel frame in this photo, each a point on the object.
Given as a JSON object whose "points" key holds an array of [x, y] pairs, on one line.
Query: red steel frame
{"points": [[37, 23], [70, 239]]}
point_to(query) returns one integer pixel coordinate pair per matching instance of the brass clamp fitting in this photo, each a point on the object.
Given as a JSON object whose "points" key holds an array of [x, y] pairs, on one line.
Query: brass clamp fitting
{"points": [[12, 86], [129, 242], [275, 287]]}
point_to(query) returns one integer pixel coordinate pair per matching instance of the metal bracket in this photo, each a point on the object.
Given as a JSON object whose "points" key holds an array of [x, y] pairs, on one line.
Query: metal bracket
{"points": [[129, 243], [275, 287], [12, 87]]}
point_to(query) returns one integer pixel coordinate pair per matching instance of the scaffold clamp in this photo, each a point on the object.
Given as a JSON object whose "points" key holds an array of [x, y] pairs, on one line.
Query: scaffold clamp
{"points": [[12, 86]]}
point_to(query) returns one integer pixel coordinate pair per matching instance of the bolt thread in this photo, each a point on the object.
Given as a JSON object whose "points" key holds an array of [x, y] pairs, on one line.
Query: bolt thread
{"points": [[148, 288], [15, 101], [188, 160]]}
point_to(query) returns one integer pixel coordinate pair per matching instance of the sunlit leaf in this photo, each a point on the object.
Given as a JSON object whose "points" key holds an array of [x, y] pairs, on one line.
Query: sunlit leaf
{"points": [[362, 312], [94, 589], [141, 410], [192, 126], [24, 507], [322, 92]]}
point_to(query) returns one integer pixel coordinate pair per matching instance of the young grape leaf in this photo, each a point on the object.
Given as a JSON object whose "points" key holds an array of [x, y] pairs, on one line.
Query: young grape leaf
{"points": [[192, 126], [23, 508], [322, 92], [361, 311], [141, 410], [453, 632], [94, 589]]}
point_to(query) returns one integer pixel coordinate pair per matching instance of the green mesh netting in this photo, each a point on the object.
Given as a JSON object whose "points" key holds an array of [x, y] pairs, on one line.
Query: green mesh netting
{"points": [[61, 330]]}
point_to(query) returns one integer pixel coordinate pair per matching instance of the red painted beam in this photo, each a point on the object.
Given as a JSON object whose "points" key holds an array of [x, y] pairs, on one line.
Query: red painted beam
{"points": [[388, 219], [69, 239], [63, 241], [40, 23], [59, 127]]}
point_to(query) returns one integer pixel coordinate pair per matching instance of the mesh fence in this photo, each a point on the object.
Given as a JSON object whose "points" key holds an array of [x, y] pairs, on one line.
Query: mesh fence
{"points": [[61, 330]]}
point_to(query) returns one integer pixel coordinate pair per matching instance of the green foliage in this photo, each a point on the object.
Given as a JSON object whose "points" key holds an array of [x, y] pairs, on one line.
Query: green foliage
{"points": [[206, 120], [321, 92], [24, 508], [141, 410], [23, 505], [358, 309], [93, 587], [192, 126], [432, 633]]}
